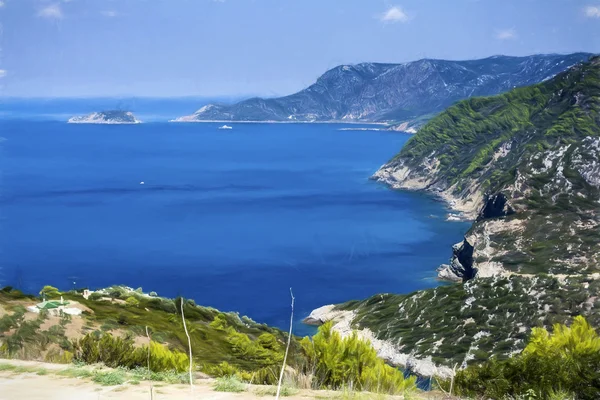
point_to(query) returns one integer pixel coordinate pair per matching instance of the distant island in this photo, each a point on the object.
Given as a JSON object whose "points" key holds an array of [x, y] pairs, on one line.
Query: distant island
{"points": [[106, 117], [403, 95]]}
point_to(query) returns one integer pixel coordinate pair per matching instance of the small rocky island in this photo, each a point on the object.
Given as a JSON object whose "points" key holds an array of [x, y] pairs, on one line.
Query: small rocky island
{"points": [[106, 117]]}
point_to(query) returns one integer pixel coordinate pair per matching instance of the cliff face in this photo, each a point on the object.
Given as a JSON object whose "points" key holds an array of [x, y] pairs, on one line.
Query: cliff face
{"points": [[525, 166], [393, 92], [465, 323]]}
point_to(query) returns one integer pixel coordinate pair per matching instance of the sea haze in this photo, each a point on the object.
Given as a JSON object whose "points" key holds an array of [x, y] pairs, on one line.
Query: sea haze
{"points": [[231, 218]]}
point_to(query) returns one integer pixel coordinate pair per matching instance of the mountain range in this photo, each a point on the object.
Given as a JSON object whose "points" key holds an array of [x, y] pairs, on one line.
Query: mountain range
{"points": [[408, 92]]}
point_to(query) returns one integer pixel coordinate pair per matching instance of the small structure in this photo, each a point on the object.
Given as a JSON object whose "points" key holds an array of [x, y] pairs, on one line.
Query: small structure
{"points": [[54, 307]]}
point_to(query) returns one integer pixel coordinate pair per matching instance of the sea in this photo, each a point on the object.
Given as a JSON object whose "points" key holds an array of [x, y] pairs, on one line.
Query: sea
{"points": [[233, 219]]}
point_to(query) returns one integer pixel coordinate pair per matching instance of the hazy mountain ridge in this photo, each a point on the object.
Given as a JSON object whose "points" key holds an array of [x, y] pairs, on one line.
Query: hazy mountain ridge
{"points": [[370, 92]]}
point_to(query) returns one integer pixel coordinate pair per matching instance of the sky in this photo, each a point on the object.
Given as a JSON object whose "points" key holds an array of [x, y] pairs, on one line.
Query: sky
{"points": [[170, 48]]}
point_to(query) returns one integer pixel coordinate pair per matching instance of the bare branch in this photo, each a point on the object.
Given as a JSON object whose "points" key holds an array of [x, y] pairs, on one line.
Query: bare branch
{"points": [[287, 348], [189, 344]]}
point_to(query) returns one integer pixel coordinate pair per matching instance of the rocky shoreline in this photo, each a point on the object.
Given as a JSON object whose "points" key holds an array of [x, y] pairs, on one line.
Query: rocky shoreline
{"points": [[387, 350]]}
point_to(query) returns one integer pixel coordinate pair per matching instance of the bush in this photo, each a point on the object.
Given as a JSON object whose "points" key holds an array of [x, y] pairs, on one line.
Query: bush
{"points": [[109, 378], [117, 352], [350, 361], [229, 384], [49, 291], [132, 301], [564, 361], [95, 296]]}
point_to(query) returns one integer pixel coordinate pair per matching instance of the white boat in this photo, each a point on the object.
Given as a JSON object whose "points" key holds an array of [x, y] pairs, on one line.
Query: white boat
{"points": [[225, 127]]}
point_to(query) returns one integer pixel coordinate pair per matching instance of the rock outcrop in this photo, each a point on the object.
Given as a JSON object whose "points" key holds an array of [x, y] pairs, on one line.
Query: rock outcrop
{"points": [[524, 166], [106, 117]]}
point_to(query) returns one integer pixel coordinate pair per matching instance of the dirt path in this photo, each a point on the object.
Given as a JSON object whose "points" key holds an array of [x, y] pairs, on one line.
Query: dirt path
{"points": [[26, 383]]}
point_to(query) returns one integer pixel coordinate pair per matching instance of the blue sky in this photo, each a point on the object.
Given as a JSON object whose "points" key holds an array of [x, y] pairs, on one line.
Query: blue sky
{"points": [[159, 48]]}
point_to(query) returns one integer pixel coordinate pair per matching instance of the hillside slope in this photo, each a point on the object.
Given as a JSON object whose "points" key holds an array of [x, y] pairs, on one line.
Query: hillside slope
{"points": [[526, 165], [394, 92]]}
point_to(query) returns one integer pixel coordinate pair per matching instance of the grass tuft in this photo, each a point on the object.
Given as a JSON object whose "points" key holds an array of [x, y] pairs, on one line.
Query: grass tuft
{"points": [[7, 367], [229, 384], [110, 378], [272, 391], [76, 373]]}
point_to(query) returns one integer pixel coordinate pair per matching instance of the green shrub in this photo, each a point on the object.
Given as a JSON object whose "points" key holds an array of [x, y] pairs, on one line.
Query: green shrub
{"points": [[49, 291], [109, 378], [564, 361], [76, 372], [6, 367], [229, 384], [132, 301], [338, 363], [219, 322], [272, 391], [95, 296], [118, 352]]}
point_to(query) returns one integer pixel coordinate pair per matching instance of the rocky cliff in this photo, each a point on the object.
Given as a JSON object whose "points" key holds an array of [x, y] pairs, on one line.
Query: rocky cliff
{"points": [[393, 92], [525, 166]]}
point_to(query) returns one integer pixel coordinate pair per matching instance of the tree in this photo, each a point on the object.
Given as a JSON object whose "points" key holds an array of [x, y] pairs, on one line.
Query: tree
{"points": [[132, 301], [49, 291]]}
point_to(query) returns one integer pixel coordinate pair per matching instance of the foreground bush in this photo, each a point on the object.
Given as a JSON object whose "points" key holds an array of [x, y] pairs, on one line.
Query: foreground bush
{"points": [[117, 352], [564, 361], [337, 363]]}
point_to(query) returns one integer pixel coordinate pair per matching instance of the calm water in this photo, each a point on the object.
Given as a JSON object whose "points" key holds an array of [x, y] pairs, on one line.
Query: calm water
{"points": [[232, 219]]}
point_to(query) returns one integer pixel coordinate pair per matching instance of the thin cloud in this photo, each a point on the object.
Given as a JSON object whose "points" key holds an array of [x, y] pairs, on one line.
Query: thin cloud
{"points": [[110, 14], [592, 11], [1, 4], [52, 11], [506, 34], [393, 15], [2, 73]]}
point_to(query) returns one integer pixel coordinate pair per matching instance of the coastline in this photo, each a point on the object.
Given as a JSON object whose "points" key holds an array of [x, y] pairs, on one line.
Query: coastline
{"points": [[179, 120], [399, 178], [387, 350]]}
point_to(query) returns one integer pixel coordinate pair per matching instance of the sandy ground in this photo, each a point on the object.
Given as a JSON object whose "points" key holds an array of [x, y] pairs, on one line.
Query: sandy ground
{"points": [[30, 386]]}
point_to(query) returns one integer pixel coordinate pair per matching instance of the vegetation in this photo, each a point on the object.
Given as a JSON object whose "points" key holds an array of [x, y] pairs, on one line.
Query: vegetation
{"points": [[226, 346], [49, 292], [222, 343], [535, 145], [471, 322], [566, 362], [336, 362], [117, 352], [467, 133], [229, 384]]}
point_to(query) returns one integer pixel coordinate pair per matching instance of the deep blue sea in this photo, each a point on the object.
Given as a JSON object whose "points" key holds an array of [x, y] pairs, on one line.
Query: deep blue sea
{"points": [[232, 219]]}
